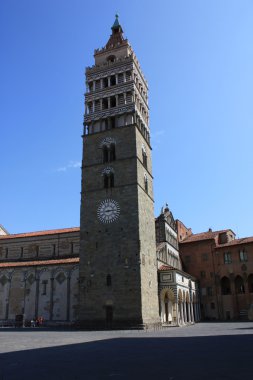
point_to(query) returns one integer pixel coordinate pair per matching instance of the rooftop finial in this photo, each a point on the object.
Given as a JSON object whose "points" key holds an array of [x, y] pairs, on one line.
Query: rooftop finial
{"points": [[116, 24]]}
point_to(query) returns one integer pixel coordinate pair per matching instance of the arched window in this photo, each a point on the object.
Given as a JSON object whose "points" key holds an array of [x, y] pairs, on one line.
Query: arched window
{"points": [[105, 153], [111, 180], [108, 146], [225, 286], [108, 180], [146, 183], [250, 283], [239, 285], [108, 176], [109, 280], [144, 159], [112, 152]]}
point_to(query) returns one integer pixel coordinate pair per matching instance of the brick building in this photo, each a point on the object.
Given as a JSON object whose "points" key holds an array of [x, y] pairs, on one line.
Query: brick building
{"points": [[223, 266]]}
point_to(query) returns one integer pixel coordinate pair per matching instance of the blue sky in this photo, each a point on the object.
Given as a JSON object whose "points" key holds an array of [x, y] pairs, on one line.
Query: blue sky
{"points": [[198, 59]]}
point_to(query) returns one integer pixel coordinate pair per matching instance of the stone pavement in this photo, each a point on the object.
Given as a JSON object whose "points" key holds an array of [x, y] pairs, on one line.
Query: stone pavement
{"points": [[202, 351]]}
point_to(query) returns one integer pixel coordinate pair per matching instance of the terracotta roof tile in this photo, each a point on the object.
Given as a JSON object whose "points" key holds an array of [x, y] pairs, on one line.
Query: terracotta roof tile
{"points": [[237, 242], [39, 262], [203, 236], [41, 233], [166, 267]]}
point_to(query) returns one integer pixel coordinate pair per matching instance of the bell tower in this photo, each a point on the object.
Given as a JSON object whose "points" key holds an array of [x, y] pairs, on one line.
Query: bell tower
{"points": [[118, 270]]}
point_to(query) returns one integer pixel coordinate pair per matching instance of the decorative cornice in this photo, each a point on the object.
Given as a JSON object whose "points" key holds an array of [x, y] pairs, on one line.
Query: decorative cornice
{"points": [[109, 91], [95, 70], [109, 112]]}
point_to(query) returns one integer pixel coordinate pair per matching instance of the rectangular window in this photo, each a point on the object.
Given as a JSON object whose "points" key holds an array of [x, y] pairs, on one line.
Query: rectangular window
{"points": [[113, 101], [120, 78], [129, 97], [105, 82], [227, 258], [121, 99], [187, 259], [113, 80], [97, 85], [97, 105], [203, 274], [128, 75], [90, 84], [209, 291], [204, 256], [105, 104], [243, 255]]}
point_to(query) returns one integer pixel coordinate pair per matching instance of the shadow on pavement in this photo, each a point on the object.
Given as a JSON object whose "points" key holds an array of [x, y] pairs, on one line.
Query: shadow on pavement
{"points": [[188, 358]]}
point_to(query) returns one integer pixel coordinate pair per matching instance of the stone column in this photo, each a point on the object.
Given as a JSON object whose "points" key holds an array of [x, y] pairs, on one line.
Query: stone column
{"points": [[51, 298], [8, 297], [37, 293], [192, 314], [177, 314], [25, 279], [198, 311], [184, 313], [68, 296]]}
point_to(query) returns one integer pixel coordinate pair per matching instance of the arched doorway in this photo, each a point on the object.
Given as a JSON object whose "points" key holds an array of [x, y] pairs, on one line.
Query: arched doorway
{"points": [[250, 283], [225, 286], [239, 285], [167, 305]]}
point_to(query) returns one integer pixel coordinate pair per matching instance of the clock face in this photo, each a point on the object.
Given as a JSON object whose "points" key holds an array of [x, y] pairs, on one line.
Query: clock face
{"points": [[108, 211]]}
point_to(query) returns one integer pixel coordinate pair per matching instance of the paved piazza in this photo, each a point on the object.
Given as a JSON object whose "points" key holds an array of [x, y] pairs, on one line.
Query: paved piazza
{"points": [[202, 351]]}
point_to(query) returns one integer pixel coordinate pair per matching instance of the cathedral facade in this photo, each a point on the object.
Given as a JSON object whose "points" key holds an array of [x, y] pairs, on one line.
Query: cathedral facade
{"points": [[122, 268]]}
